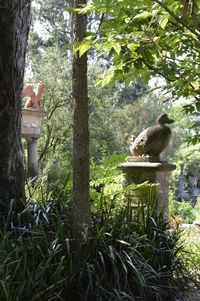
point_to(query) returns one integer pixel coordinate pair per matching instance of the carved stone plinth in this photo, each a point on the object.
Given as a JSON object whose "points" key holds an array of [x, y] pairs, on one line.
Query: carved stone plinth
{"points": [[31, 124], [158, 173], [32, 121]]}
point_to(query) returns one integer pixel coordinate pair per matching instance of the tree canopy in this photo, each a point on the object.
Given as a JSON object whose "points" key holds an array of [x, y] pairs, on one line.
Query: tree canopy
{"points": [[150, 38]]}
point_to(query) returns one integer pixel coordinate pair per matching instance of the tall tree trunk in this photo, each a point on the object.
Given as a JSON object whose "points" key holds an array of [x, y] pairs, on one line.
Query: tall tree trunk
{"points": [[81, 206], [15, 17]]}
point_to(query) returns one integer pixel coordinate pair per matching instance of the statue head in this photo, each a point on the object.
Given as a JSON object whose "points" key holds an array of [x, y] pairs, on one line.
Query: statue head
{"points": [[40, 87], [163, 119]]}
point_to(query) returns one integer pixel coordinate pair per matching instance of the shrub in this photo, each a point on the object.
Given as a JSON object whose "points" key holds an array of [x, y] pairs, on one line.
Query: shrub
{"points": [[186, 211]]}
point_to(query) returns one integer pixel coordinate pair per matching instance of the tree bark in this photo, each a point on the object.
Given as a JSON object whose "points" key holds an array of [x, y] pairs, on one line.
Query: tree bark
{"points": [[15, 18], [81, 206]]}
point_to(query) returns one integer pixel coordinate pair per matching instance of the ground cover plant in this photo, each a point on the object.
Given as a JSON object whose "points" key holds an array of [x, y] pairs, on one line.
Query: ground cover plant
{"points": [[191, 255], [184, 210], [120, 259]]}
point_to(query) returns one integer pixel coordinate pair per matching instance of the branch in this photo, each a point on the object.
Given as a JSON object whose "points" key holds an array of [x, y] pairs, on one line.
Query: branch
{"points": [[178, 19], [152, 68], [101, 21], [54, 108], [46, 144], [195, 20]]}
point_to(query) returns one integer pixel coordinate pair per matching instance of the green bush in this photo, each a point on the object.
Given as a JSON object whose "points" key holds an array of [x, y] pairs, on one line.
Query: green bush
{"points": [[186, 211]]}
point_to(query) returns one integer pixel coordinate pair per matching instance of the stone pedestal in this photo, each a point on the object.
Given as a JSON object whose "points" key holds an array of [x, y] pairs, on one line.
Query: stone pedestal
{"points": [[32, 156], [31, 124], [32, 121], [158, 173]]}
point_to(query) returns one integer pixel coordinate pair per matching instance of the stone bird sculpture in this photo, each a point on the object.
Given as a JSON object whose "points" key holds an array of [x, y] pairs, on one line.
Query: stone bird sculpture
{"points": [[152, 141], [34, 100]]}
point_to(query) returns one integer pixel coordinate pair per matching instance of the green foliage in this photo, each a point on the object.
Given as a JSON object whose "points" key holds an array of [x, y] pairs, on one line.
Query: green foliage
{"points": [[41, 260], [54, 20], [106, 190], [185, 210], [191, 254], [55, 71], [106, 133], [147, 39], [189, 156]]}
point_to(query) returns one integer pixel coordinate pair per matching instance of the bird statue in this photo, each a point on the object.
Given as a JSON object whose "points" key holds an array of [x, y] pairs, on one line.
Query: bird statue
{"points": [[34, 100], [152, 141]]}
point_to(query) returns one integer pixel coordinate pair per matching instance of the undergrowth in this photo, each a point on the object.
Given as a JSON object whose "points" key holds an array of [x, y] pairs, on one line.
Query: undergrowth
{"points": [[126, 256]]}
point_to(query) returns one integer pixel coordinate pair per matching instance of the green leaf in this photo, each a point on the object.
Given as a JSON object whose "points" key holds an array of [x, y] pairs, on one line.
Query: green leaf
{"points": [[67, 45], [143, 15], [133, 46], [163, 22], [146, 77], [76, 47], [117, 47], [82, 47], [127, 81], [107, 78], [86, 9], [85, 47], [108, 46], [198, 106]]}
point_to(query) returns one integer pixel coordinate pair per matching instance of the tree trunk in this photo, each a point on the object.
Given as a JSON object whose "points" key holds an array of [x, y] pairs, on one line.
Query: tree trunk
{"points": [[81, 206], [15, 17]]}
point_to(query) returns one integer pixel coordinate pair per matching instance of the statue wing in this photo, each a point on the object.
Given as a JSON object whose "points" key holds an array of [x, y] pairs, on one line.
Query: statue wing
{"points": [[147, 138], [140, 141], [28, 92]]}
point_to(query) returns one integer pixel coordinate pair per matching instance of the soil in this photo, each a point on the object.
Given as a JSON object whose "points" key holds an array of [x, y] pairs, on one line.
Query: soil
{"points": [[193, 296]]}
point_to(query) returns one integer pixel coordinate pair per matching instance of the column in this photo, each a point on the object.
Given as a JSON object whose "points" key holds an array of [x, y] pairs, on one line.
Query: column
{"points": [[32, 156]]}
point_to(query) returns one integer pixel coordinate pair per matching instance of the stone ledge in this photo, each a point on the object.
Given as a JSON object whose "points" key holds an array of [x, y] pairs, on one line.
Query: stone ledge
{"points": [[29, 136], [160, 166], [34, 111]]}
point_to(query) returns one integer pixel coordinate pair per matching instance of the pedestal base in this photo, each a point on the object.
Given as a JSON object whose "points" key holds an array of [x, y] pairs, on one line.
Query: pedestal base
{"points": [[158, 173]]}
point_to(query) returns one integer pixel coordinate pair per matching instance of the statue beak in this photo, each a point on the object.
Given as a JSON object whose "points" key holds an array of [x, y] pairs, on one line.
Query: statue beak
{"points": [[170, 121]]}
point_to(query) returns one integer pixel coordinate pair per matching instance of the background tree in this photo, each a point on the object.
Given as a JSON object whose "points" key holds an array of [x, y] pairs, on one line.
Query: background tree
{"points": [[190, 157], [114, 114], [56, 21], [81, 205], [108, 133], [54, 69], [151, 38], [14, 27]]}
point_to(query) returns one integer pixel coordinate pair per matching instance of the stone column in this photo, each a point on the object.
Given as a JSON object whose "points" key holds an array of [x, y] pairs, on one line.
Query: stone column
{"points": [[32, 156], [158, 173]]}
